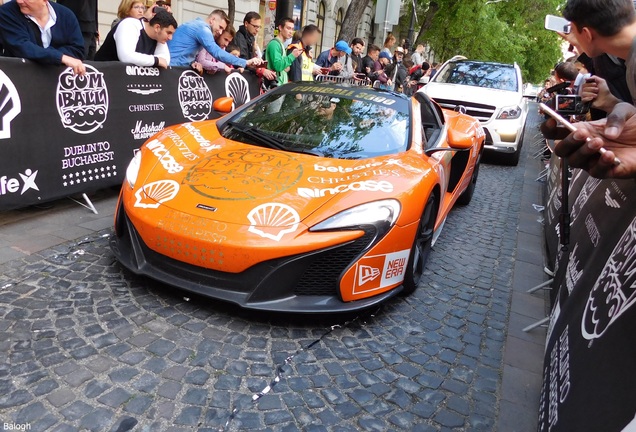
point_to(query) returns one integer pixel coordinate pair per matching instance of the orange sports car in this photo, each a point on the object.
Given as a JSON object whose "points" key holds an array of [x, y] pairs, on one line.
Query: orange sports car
{"points": [[311, 198]]}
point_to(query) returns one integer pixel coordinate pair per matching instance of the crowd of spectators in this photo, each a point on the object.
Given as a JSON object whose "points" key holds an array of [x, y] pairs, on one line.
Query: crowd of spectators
{"points": [[66, 32]]}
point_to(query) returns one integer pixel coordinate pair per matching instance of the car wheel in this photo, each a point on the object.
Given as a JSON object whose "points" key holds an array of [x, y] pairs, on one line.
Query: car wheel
{"points": [[466, 197], [422, 246]]}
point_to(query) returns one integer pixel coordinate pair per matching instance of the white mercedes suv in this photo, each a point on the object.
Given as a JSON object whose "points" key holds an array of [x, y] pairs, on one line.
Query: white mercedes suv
{"points": [[490, 92]]}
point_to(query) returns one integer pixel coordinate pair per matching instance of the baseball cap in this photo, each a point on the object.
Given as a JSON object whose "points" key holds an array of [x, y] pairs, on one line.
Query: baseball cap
{"points": [[399, 50], [343, 46], [385, 55]]}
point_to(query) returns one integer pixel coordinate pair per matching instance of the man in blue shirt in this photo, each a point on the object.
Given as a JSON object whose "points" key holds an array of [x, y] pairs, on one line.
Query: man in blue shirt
{"points": [[337, 60], [43, 32], [190, 37]]}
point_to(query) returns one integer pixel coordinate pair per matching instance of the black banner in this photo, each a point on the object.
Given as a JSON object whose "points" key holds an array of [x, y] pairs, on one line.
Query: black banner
{"points": [[589, 373], [62, 134]]}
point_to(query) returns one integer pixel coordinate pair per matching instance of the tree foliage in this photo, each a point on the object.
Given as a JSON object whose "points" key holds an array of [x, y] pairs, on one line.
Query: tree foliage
{"points": [[505, 31]]}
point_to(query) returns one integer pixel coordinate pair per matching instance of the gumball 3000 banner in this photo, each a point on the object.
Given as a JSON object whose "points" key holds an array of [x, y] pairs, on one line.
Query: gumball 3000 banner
{"points": [[62, 134]]}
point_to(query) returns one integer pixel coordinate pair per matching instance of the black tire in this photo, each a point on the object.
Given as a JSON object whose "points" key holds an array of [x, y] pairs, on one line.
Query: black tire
{"points": [[422, 246], [466, 197]]}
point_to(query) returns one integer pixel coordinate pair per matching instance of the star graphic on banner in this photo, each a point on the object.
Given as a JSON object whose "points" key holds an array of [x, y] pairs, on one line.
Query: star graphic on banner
{"points": [[107, 168], [90, 178], [102, 169], [90, 172], [65, 184], [70, 175], [108, 175], [84, 179], [114, 167], [64, 177], [115, 173], [83, 172], [72, 183], [103, 175]]}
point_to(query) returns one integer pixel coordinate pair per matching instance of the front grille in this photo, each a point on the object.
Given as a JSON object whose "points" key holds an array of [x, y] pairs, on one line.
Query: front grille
{"points": [[481, 112], [322, 277]]}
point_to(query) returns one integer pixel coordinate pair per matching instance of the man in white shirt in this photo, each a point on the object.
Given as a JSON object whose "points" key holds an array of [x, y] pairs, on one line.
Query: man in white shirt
{"points": [[140, 42]]}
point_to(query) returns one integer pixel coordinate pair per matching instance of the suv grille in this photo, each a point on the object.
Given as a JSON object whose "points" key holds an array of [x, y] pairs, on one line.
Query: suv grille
{"points": [[481, 112], [322, 277]]}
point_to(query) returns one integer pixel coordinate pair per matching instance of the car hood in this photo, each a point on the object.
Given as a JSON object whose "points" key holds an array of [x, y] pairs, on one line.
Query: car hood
{"points": [[191, 168], [479, 95]]}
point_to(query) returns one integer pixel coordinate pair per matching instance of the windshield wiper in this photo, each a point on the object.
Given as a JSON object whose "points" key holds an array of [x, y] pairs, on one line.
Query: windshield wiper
{"points": [[266, 139]]}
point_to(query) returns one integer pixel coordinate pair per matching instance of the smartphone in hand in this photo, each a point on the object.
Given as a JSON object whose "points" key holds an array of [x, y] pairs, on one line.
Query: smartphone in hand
{"points": [[558, 24]]}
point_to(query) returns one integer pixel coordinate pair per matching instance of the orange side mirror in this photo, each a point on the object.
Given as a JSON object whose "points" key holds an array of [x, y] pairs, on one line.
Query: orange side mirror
{"points": [[223, 105]]}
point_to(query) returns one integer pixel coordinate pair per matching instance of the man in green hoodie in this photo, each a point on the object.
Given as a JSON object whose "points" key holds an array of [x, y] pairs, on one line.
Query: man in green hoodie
{"points": [[275, 56]]}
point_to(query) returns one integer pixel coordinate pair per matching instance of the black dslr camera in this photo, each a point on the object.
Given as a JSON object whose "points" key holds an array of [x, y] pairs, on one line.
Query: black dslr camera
{"points": [[566, 103]]}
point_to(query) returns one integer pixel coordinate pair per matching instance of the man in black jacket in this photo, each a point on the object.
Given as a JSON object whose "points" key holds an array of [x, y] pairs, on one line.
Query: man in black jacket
{"points": [[25, 31], [86, 13], [369, 66], [246, 35]]}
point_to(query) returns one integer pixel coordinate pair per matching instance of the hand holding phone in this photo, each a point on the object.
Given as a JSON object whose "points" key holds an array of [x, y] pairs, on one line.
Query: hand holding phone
{"points": [[557, 24], [569, 126]]}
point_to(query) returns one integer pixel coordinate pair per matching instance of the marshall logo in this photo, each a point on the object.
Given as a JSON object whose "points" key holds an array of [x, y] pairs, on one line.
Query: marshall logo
{"points": [[9, 105], [195, 97], [82, 101], [9, 185], [132, 70], [145, 131]]}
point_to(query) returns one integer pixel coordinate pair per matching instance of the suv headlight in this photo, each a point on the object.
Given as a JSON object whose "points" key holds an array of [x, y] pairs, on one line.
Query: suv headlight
{"points": [[133, 169], [380, 214], [509, 113]]}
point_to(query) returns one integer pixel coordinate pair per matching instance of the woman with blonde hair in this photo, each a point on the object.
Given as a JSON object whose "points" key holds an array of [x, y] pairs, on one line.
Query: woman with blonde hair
{"points": [[129, 8], [388, 44]]}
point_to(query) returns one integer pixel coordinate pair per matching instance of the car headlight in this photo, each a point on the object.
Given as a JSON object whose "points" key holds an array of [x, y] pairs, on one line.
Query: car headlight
{"points": [[133, 169], [381, 214], [509, 113]]}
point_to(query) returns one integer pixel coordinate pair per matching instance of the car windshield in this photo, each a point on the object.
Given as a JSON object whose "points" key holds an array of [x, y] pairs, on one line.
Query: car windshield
{"points": [[325, 120], [488, 75]]}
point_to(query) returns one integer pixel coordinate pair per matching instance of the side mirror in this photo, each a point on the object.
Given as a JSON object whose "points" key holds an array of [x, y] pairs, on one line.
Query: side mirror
{"points": [[459, 140], [223, 105]]}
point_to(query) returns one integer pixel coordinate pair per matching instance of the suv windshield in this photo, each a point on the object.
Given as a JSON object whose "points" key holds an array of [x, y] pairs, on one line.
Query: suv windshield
{"points": [[488, 75], [329, 121]]}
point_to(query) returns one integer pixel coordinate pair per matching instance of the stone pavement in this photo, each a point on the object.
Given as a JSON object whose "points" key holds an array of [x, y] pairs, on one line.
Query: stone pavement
{"points": [[85, 345]]}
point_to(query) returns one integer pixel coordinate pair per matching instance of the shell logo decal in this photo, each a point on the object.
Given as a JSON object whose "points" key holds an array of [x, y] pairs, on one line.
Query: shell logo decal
{"points": [[273, 220], [237, 88], [154, 194]]}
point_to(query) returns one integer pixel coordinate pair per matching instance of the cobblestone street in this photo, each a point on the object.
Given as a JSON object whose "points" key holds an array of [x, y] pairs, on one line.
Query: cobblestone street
{"points": [[85, 345]]}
